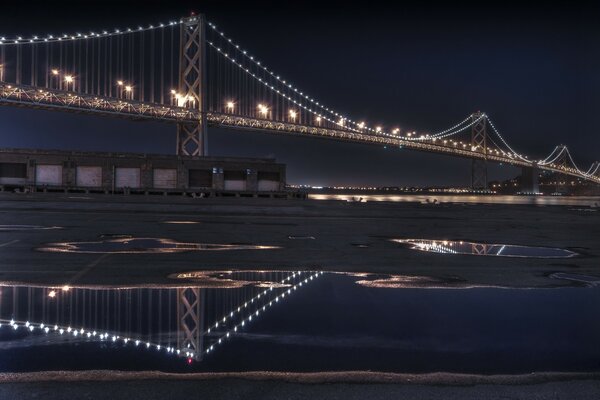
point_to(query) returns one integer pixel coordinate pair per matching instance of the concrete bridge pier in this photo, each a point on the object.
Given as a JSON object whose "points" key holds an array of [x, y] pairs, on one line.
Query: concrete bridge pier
{"points": [[529, 179]]}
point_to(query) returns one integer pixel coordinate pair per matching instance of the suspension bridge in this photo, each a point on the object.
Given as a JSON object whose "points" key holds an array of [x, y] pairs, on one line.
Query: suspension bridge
{"points": [[189, 73]]}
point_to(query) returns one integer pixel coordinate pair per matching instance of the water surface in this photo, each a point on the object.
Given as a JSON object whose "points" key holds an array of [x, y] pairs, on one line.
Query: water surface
{"points": [[310, 321]]}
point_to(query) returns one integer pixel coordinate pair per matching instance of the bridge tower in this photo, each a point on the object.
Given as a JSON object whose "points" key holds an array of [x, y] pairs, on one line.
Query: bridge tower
{"points": [[480, 249], [190, 320], [192, 137], [479, 140], [563, 163]]}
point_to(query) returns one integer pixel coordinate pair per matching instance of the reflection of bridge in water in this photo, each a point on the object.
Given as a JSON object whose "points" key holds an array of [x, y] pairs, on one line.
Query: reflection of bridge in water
{"points": [[186, 321]]}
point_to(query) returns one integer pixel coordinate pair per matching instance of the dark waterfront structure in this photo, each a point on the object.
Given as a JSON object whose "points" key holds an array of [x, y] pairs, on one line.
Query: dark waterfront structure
{"points": [[95, 172]]}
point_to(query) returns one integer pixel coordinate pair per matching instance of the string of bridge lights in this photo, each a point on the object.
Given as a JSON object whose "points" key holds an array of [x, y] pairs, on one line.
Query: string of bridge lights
{"points": [[440, 135], [265, 83], [271, 303], [232, 314], [278, 78], [360, 125], [552, 157], [573, 162], [113, 337], [93, 334], [504, 141], [83, 36], [547, 160]]}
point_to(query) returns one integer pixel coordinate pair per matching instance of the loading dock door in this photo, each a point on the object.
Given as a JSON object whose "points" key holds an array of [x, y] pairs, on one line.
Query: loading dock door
{"points": [[48, 174], [200, 178], [127, 177], [164, 178], [89, 176], [268, 181], [235, 180]]}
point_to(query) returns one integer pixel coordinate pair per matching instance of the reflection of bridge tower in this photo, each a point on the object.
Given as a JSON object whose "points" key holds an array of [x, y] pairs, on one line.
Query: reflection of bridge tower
{"points": [[190, 320], [479, 140], [191, 136], [480, 249]]}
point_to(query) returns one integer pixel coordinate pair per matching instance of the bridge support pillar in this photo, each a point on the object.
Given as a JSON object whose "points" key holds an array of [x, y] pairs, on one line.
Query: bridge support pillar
{"points": [[529, 179], [190, 320], [192, 137], [479, 143]]}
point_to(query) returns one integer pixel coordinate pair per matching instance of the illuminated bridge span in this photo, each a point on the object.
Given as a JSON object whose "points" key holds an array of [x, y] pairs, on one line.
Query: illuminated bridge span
{"points": [[190, 322], [190, 73]]}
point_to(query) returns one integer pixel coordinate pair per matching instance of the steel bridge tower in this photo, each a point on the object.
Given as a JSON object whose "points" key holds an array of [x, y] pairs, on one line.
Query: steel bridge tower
{"points": [[563, 163], [192, 136], [190, 320], [479, 139]]}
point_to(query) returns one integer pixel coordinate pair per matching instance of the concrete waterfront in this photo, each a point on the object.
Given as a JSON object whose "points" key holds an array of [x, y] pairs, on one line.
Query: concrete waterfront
{"points": [[349, 237]]}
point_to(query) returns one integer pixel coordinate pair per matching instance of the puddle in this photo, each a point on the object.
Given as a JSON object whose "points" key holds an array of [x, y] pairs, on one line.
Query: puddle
{"points": [[115, 236], [484, 249], [409, 282], [26, 227], [237, 278], [181, 222], [310, 321], [129, 245], [585, 279]]}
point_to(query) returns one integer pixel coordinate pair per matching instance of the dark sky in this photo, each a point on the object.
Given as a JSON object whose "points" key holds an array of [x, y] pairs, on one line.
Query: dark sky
{"points": [[533, 69]]}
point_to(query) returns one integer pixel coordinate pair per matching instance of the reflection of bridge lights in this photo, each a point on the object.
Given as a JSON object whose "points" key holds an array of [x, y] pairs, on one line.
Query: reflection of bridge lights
{"points": [[229, 106], [293, 115]]}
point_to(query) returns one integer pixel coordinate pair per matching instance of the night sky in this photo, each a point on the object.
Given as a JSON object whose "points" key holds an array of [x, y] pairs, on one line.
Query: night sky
{"points": [[534, 70]]}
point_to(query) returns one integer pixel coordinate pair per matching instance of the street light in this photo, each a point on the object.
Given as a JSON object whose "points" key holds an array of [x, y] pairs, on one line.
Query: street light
{"points": [[55, 77], [263, 110], [120, 86], [70, 80], [129, 91], [229, 106], [378, 129], [318, 119], [293, 115]]}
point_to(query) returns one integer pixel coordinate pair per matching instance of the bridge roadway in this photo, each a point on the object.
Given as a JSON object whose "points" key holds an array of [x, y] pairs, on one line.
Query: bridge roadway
{"points": [[49, 99]]}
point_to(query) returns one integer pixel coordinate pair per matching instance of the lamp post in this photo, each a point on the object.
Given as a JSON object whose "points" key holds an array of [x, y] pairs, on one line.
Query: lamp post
{"points": [[55, 74], [69, 80], [120, 89], [293, 115]]}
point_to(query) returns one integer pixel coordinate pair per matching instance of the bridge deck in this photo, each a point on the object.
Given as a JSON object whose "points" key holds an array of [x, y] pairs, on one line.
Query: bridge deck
{"points": [[42, 98]]}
